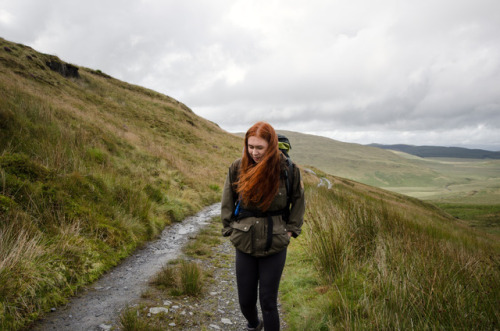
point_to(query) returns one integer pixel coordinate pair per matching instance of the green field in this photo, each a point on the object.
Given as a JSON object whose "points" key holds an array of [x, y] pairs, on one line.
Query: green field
{"points": [[461, 180]]}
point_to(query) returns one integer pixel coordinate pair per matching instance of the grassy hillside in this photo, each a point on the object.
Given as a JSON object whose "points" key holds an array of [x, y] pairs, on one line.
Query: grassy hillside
{"points": [[371, 259], [366, 164], [466, 188], [90, 168]]}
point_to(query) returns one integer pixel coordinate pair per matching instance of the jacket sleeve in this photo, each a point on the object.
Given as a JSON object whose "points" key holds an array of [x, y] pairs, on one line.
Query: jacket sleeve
{"points": [[227, 205], [298, 205]]}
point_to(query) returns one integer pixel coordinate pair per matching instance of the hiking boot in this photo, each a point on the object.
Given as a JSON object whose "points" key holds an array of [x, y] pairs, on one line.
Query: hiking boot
{"points": [[257, 328]]}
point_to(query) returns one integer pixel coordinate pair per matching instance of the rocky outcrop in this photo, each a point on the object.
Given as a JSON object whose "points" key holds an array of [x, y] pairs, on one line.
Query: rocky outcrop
{"points": [[65, 69]]}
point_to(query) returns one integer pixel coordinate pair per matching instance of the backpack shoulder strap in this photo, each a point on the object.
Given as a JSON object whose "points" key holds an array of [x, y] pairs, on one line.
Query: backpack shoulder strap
{"points": [[289, 179], [234, 174]]}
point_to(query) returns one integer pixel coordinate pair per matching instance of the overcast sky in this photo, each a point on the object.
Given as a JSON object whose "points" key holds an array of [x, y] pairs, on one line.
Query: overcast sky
{"points": [[423, 72]]}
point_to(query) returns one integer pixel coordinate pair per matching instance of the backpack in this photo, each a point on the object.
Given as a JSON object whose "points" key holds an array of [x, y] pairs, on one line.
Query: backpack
{"points": [[285, 147], [284, 144]]}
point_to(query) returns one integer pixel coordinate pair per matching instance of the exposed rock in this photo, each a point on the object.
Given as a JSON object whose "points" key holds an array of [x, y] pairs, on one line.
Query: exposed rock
{"points": [[157, 310], [65, 69], [226, 321]]}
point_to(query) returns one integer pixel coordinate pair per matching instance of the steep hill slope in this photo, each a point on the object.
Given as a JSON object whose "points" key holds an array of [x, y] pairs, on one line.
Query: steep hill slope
{"points": [[90, 168]]}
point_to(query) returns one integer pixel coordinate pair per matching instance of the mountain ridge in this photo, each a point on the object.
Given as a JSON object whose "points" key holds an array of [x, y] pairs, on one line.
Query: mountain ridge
{"points": [[426, 151]]}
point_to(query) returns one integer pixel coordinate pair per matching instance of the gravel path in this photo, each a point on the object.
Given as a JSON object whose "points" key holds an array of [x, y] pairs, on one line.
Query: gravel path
{"points": [[101, 303]]}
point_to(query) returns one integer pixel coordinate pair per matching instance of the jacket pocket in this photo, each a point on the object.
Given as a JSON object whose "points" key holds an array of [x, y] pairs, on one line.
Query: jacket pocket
{"points": [[280, 201], [241, 236], [280, 237]]}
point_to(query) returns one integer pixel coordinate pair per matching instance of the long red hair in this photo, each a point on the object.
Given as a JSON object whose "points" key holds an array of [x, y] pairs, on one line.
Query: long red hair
{"points": [[258, 183]]}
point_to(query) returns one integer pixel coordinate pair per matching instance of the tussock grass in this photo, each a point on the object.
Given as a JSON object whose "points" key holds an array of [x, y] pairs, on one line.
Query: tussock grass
{"points": [[191, 278], [389, 262], [184, 278], [130, 320]]}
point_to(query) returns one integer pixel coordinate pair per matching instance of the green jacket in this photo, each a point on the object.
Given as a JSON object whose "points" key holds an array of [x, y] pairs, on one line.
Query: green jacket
{"points": [[250, 234]]}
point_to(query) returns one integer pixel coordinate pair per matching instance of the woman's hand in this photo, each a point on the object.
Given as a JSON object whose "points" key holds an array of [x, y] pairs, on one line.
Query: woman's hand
{"points": [[289, 234]]}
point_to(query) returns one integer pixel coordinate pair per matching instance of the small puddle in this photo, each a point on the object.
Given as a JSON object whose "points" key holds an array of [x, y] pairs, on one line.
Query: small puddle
{"points": [[102, 302]]}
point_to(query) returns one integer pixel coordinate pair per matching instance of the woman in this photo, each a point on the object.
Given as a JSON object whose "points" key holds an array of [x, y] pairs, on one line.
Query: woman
{"points": [[255, 214]]}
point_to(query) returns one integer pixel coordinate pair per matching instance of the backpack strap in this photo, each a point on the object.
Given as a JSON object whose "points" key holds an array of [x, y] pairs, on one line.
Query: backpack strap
{"points": [[234, 174], [289, 179]]}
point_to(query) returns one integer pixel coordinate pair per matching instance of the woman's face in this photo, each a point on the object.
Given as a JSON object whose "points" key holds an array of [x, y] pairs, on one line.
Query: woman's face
{"points": [[257, 148]]}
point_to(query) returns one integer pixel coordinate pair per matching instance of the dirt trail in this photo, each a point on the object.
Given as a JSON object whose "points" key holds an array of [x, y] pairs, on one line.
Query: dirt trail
{"points": [[100, 305]]}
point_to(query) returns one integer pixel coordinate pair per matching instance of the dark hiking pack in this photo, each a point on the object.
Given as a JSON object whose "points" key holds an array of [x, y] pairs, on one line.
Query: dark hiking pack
{"points": [[285, 146]]}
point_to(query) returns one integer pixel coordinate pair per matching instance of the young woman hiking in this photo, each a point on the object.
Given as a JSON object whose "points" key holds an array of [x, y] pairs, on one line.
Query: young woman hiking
{"points": [[255, 214]]}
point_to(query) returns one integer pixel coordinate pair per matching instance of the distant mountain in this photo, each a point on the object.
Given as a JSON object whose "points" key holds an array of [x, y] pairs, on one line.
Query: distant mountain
{"points": [[439, 151]]}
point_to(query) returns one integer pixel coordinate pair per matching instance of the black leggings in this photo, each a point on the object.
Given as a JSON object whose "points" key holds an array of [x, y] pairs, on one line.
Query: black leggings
{"points": [[263, 273]]}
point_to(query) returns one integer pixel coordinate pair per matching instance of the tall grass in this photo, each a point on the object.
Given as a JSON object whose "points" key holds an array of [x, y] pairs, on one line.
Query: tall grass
{"points": [[394, 264], [185, 278]]}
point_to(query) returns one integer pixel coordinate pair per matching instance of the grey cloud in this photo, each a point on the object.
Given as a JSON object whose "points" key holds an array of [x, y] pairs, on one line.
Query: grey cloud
{"points": [[362, 70]]}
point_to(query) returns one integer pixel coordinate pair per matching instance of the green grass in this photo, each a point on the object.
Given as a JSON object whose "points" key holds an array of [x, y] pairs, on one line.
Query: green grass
{"points": [[185, 278], [130, 321], [381, 261], [485, 217], [205, 239]]}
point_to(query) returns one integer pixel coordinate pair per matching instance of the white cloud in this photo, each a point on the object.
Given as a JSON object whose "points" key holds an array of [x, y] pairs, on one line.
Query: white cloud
{"points": [[6, 18]]}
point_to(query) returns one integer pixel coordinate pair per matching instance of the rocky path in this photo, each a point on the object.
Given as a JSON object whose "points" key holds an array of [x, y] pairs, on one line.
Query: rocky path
{"points": [[99, 305]]}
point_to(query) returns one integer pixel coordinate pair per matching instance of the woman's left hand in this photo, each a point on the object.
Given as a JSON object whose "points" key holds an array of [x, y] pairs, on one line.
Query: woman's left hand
{"points": [[289, 234]]}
